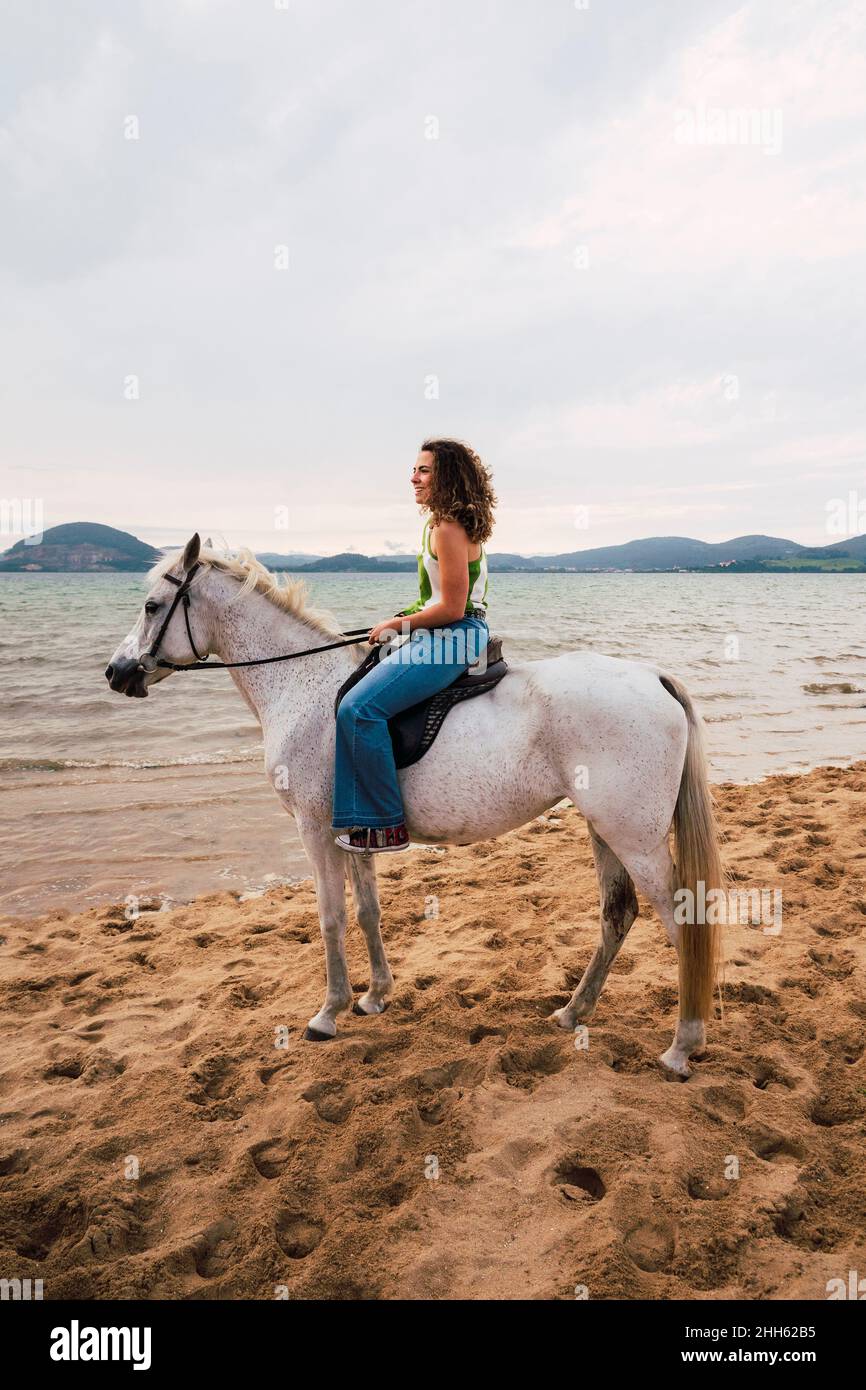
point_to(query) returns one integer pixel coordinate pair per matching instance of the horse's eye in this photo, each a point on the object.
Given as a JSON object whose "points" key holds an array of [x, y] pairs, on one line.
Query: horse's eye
{"points": [[151, 607]]}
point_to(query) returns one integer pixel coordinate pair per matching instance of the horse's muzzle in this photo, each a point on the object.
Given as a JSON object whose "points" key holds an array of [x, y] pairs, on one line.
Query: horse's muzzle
{"points": [[127, 678]]}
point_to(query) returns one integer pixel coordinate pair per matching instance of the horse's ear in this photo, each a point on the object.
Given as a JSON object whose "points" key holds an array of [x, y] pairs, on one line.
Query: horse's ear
{"points": [[191, 553]]}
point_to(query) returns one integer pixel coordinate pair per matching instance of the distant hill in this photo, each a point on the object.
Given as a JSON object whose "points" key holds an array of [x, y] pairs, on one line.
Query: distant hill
{"points": [[87, 546], [351, 560], [275, 561], [855, 547], [671, 552], [653, 554], [81, 545]]}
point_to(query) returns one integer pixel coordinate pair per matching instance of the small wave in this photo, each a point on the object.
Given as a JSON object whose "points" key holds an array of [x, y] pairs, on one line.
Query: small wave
{"points": [[833, 688], [845, 707], [219, 756]]}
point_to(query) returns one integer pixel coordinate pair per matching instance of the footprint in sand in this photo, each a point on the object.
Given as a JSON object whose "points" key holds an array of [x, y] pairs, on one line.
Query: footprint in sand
{"points": [[788, 1222], [212, 1077], [468, 999], [484, 1031], [67, 1069], [721, 1103], [838, 964], [332, 1101], [576, 1182], [620, 1054], [775, 1147], [267, 1074], [270, 1156], [527, 1067], [46, 1223], [13, 1161], [243, 997], [439, 1088], [651, 1244], [93, 1031], [707, 1188], [742, 992], [100, 1067], [298, 1234], [836, 1107], [212, 1250], [769, 1074], [114, 1227], [792, 864], [115, 922]]}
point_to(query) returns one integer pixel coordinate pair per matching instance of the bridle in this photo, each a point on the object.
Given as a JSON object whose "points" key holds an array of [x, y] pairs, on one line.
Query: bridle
{"points": [[150, 662]]}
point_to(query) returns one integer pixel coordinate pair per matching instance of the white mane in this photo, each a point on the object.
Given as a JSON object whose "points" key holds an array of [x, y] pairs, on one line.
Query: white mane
{"points": [[290, 595]]}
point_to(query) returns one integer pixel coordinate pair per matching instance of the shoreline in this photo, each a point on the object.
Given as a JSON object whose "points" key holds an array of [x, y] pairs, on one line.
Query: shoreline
{"points": [[280, 861]]}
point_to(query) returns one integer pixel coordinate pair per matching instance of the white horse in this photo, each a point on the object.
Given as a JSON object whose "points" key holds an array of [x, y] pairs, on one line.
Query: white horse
{"points": [[619, 738]]}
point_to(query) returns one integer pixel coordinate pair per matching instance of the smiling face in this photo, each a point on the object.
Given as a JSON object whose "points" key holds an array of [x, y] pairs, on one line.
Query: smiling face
{"points": [[422, 475]]}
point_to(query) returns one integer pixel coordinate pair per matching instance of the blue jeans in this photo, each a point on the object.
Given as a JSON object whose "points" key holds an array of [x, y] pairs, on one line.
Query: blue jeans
{"points": [[366, 790]]}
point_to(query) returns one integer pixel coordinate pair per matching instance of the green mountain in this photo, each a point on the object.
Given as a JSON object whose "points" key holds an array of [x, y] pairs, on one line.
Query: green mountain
{"points": [[671, 552], [86, 546], [350, 560], [653, 554], [81, 545]]}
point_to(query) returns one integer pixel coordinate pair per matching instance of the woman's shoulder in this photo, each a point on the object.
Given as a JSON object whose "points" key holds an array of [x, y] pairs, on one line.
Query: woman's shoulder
{"points": [[450, 526]]}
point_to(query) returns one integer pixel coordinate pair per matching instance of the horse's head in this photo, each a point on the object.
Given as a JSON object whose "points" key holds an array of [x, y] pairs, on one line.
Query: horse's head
{"points": [[168, 629]]}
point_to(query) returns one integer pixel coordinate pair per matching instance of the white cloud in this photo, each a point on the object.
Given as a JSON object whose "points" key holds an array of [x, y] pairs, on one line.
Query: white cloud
{"points": [[410, 257]]}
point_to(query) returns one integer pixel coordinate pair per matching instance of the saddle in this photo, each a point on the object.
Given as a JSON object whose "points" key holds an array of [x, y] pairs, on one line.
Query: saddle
{"points": [[413, 730]]}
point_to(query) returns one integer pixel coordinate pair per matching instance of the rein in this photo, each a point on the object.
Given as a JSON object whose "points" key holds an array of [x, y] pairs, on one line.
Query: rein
{"points": [[150, 662]]}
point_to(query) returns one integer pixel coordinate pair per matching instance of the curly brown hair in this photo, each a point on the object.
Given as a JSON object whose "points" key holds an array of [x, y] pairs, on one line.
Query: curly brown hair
{"points": [[460, 488]]}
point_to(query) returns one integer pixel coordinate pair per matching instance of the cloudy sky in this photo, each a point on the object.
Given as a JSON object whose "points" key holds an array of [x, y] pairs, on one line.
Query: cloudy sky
{"points": [[252, 252]]}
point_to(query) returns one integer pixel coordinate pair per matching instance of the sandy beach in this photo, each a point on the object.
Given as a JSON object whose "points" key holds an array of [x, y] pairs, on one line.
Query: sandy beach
{"points": [[156, 1142]]}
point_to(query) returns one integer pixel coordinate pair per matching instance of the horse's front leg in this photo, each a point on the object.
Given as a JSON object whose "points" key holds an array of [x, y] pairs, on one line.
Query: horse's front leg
{"points": [[329, 875], [362, 875]]}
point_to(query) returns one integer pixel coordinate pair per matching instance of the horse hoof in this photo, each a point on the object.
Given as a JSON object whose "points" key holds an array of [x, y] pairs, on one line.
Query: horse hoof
{"points": [[674, 1069], [356, 1009], [313, 1035]]}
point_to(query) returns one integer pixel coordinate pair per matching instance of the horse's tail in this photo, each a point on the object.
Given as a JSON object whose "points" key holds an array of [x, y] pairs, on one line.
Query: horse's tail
{"points": [[697, 859]]}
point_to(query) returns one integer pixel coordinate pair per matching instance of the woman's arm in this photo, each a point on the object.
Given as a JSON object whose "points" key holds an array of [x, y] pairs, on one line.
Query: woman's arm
{"points": [[452, 547]]}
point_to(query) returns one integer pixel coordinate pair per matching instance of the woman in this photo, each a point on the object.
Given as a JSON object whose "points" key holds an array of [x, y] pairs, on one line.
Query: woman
{"points": [[447, 630]]}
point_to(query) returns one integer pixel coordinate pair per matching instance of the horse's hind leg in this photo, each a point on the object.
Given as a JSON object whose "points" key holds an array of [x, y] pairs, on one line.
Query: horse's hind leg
{"points": [[365, 890], [619, 908], [653, 874]]}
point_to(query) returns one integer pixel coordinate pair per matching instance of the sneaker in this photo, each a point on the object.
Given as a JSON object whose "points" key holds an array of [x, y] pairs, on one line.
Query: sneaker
{"points": [[369, 839]]}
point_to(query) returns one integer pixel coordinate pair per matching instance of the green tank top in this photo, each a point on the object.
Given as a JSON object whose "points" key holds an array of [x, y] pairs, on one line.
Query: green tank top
{"points": [[429, 580]]}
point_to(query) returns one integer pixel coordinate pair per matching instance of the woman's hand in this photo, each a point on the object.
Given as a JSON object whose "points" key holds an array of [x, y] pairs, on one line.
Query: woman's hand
{"points": [[390, 625]]}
